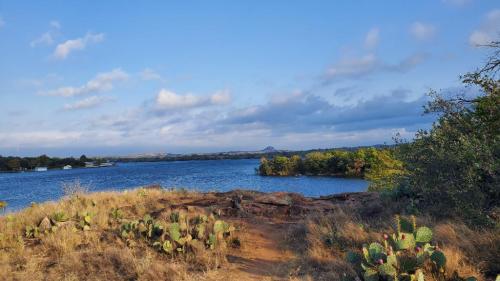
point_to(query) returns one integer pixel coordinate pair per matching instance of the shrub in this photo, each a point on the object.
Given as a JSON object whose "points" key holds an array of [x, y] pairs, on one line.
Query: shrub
{"points": [[405, 255], [454, 168]]}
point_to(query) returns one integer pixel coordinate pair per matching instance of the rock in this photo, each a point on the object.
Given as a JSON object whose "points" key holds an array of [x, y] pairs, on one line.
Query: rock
{"points": [[274, 199], [45, 224], [236, 201]]}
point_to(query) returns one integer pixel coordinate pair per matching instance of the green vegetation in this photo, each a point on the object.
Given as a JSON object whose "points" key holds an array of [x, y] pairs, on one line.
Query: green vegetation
{"points": [[377, 165], [453, 169], [179, 236], [29, 163], [405, 255], [99, 237]]}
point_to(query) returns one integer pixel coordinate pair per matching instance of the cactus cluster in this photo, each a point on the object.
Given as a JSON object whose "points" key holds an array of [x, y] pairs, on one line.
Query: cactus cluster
{"points": [[32, 231], [180, 234], [402, 256], [60, 216], [116, 214], [84, 220], [46, 225]]}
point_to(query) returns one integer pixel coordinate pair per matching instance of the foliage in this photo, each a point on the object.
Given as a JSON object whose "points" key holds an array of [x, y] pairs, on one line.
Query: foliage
{"points": [[60, 216], [377, 165], [453, 169], [84, 220], [29, 163], [179, 236], [405, 255], [116, 214]]}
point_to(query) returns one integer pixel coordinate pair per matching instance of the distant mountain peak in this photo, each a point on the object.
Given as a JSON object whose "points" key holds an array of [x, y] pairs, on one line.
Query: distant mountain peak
{"points": [[269, 149]]}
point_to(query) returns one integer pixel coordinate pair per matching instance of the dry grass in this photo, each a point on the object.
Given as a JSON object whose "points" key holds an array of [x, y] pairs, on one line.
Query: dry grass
{"points": [[328, 238], [314, 248], [97, 254]]}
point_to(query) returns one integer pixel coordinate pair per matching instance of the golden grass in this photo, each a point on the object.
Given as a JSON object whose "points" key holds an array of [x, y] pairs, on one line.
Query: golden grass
{"points": [[97, 254], [328, 238], [319, 243]]}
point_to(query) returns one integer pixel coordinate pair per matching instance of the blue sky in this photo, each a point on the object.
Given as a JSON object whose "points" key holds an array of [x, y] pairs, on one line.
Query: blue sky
{"points": [[114, 77]]}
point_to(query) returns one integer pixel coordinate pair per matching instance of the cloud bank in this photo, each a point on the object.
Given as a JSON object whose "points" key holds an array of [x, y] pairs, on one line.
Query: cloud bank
{"points": [[167, 100]]}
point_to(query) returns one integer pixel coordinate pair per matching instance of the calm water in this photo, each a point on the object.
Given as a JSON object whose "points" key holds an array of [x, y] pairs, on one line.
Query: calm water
{"points": [[20, 189]]}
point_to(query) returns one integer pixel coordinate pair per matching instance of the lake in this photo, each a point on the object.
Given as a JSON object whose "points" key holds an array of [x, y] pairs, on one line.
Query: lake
{"points": [[20, 189]]}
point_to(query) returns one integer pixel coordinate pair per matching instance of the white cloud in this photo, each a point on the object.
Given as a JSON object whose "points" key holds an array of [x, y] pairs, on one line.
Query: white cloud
{"points": [[101, 83], [422, 31], [368, 64], [168, 100], [64, 49], [488, 31], [372, 38], [86, 103], [149, 74]]}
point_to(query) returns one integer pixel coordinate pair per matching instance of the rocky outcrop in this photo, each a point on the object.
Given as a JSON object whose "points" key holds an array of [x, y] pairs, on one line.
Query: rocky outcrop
{"points": [[243, 203]]}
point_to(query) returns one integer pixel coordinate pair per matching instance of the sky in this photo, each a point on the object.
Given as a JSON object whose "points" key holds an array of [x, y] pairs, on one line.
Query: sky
{"points": [[129, 77]]}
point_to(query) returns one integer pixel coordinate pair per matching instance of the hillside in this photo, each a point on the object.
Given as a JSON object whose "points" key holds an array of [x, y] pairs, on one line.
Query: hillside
{"points": [[276, 236]]}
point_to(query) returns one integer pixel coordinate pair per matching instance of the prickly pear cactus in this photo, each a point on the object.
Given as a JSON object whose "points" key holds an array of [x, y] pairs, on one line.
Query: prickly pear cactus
{"points": [[179, 236], [174, 231], [168, 247], [402, 256]]}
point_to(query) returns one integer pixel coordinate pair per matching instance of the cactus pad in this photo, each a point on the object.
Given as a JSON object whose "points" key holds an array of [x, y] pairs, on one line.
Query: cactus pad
{"points": [[423, 235], [387, 269], [174, 231], [376, 251], [439, 259]]}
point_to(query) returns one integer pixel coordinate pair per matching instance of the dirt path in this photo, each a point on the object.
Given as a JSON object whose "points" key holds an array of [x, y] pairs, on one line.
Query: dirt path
{"points": [[265, 221], [262, 256]]}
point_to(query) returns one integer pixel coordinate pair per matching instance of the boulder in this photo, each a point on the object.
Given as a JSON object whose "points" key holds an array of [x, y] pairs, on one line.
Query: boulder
{"points": [[45, 224]]}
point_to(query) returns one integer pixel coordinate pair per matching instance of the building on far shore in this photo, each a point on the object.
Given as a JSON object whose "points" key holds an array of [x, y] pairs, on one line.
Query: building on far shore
{"points": [[90, 165], [41, 169]]}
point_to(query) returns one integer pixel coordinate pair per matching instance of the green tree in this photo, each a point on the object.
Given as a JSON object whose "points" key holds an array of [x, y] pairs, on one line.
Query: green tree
{"points": [[454, 167], [14, 164], [43, 160], [296, 165], [265, 168], [281, 166], [316, 163]]}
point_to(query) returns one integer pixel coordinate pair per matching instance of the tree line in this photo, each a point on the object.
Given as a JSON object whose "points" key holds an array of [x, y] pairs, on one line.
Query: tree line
{"points": [[375, 164], [13, 164]]}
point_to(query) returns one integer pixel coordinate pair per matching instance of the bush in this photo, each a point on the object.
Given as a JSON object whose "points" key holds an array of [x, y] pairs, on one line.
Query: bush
{"points": [[453, 169], [377, 165]]}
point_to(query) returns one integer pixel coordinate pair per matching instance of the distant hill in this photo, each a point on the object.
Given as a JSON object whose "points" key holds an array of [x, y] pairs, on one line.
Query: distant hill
{"points": [[269, 149], [268, 152]]}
